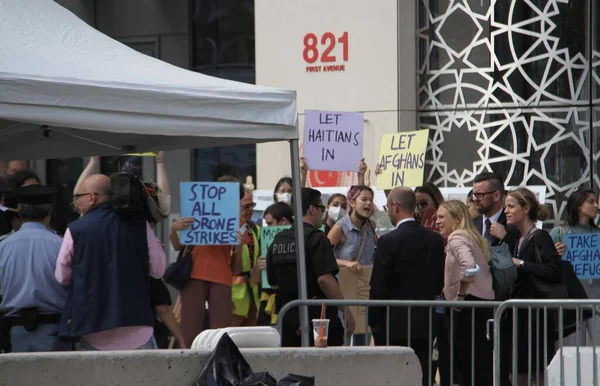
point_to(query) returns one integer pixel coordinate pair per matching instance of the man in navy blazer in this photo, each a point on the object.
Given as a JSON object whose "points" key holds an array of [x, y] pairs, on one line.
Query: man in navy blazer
{"points": [[408, 265]]}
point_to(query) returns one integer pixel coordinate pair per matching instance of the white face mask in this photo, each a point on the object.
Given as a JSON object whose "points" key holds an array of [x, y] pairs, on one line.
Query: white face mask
{"points": [[336, 212], [286, 198]]}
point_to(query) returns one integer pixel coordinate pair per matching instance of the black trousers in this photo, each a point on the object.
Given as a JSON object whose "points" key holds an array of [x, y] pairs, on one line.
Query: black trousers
{"points": [[469, 334], [421, 348]]}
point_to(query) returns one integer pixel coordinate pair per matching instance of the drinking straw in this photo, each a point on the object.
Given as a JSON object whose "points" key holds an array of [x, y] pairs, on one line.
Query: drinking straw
{"points": [[321, 325]]}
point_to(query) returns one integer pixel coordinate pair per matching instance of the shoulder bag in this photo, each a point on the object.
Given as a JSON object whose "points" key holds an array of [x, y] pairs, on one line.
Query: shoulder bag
{"points": [[178, 273]]}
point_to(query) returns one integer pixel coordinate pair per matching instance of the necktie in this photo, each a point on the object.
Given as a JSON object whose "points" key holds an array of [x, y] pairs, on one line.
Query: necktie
{"points": [[487, 235]]}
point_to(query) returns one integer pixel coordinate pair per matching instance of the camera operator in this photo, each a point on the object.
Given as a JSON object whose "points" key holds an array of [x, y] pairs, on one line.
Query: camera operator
{"points": [[106, 259]]}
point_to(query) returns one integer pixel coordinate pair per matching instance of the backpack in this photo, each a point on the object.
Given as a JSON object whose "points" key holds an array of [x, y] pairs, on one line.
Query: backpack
{"points": [[504, 271]]}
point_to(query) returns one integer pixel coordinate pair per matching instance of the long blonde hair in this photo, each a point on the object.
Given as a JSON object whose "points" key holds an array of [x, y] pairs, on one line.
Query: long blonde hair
{"points": [[459, 211]]}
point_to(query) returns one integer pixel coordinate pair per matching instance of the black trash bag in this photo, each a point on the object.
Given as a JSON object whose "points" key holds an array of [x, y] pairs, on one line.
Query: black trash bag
{"points": [[225, 367], [260, 379], [296, 380]]}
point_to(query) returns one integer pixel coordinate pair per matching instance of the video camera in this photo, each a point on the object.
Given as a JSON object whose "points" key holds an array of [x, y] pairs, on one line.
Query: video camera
{"points": [[130, 197]]}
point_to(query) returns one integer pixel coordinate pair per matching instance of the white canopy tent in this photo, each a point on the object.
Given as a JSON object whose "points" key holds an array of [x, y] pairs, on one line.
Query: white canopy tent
{"points": [[67, 90]]}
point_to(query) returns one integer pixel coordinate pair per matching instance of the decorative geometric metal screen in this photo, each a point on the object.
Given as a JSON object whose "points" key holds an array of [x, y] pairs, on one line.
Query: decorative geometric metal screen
{"points": [[505, 86]]}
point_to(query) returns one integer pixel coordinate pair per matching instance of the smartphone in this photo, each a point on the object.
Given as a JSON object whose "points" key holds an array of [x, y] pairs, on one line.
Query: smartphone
{"points": [[472, 271]]}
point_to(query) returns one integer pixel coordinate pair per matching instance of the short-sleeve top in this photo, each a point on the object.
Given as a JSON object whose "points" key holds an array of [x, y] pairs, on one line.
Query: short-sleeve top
{"points": [[353, 239]]}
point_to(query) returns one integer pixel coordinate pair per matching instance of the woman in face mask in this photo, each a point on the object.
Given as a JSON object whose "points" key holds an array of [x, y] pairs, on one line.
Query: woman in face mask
{"points": [[353, 236], [283, 191], [335, 210]]}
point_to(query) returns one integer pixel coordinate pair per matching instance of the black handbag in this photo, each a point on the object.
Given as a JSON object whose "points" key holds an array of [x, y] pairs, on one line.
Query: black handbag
{"points": [[178, 273]]}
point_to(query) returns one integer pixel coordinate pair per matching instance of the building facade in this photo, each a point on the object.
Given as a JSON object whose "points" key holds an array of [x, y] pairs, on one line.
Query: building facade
{"points": [[508, 86]]}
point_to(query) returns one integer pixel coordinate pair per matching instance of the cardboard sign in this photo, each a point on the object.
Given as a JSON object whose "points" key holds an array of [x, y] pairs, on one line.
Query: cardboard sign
{"points": [[583, 251], [215, 207], [402, 159], [333, 140], [357, 287], [266, 239]]}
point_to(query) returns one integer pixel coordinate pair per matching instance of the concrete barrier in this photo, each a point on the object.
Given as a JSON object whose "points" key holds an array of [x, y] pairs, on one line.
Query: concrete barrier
{"points": [[586, 365], [344, 366]]}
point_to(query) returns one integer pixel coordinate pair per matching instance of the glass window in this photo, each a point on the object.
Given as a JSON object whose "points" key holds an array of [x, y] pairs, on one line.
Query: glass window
{"points": [[223, 39], [211, 163]]}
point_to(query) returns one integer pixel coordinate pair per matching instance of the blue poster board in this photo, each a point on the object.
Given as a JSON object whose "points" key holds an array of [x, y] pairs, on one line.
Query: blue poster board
{"points": [[583, 251], [215, 207]]}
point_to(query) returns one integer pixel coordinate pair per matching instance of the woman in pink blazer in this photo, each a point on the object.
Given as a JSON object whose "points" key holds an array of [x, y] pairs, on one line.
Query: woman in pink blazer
{"points": [[467, 277]]}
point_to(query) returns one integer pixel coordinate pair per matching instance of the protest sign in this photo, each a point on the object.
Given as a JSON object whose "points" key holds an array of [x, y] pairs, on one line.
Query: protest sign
{"points": [[215, 207], [266, 239], [402, 159], [357, 287], [429, 220], [583, 251], [333, 140]]}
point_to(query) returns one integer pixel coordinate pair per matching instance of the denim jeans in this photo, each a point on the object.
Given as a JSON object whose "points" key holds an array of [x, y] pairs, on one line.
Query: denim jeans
{"points": [[44, 338]]}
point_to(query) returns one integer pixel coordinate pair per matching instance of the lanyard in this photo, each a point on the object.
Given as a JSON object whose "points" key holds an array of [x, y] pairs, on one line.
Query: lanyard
{"points": [[520, 247]]}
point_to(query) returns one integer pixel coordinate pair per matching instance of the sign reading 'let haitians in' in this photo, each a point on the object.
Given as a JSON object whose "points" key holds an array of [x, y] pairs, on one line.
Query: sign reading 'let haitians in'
{"points": [[215, 207], [333, 140], [402, 159], [583, 251]]}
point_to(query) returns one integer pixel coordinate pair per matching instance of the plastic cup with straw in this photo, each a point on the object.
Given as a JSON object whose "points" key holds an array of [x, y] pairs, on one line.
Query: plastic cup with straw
{"points": [[321, 329]]}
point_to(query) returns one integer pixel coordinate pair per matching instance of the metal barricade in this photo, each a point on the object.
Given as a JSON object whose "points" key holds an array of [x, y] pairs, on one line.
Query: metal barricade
{"points": [[433, 308], [548, 320]]}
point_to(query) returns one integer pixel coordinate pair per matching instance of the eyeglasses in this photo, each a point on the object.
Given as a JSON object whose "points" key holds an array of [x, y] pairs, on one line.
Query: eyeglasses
{"points": [[423, 204], [385, 207], [322, 207], [250, 205], [78, 196], [481, 195]]}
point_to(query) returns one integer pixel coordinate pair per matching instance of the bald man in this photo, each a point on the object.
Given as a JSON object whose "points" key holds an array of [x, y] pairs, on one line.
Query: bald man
{"points": [[408, 265], [15, 166], [107, 259]]}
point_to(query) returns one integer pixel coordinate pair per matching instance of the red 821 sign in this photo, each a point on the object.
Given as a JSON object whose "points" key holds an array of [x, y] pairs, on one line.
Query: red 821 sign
{"points": [[325, 53]]}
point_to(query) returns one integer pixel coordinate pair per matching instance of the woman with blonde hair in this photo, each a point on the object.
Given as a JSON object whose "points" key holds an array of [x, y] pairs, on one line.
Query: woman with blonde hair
{"points": [[467, 277]]}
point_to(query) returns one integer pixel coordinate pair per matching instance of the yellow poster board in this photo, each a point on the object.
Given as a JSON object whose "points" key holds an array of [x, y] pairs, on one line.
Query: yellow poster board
{"points": [[402, 159]]}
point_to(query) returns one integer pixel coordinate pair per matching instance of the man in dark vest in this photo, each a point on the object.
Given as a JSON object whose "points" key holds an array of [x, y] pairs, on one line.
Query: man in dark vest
{"points": [[107, 260]]}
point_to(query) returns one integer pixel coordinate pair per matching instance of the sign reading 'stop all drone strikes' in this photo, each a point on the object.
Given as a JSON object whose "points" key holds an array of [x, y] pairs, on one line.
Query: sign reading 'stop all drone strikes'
{"points": [[402, 159], [215, 207]]}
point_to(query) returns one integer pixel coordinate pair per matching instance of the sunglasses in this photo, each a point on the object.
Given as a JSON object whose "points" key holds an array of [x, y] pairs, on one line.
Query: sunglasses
{"points": [[250, 205]]}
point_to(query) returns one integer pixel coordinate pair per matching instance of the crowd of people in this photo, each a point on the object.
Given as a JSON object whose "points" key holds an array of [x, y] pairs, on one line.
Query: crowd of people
{"points": [[79, 291]]}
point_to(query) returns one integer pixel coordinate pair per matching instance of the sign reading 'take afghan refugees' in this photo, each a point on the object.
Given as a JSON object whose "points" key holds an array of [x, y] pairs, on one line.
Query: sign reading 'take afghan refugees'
{"points": [[583, 251]]}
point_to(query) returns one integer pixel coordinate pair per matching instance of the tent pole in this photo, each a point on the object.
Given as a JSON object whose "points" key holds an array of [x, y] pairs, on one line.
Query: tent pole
{"points": [[299, 235]]}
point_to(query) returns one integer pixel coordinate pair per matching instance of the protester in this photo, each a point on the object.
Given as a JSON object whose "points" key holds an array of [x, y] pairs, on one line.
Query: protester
{"points": [[321, 269], [471, 205], [106, 259], [278, 214], [283, 191], [408, 265], [429, 198], [582, 208], [468, 252], [536, 256], [353, 237], [213, 268], [246, 284], [32, 300], [164, 318], [335, 210]]}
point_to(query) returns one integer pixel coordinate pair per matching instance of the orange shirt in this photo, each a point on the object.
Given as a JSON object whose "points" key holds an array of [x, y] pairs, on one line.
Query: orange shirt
{"points": [[212, 263]]}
